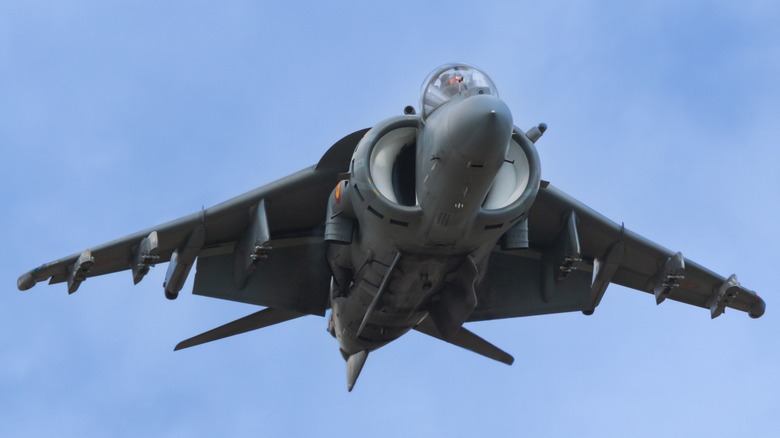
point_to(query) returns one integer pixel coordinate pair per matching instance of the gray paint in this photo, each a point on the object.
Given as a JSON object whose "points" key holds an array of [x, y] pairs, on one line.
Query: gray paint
{"points": [[432, 261]]}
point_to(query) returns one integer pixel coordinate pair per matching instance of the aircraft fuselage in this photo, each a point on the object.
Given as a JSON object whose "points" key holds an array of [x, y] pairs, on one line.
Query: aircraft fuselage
{"points": [[412, 228]]}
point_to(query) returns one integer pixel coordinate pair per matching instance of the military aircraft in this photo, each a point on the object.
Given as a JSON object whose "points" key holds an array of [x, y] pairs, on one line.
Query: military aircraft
{"points": [[422, 222]]}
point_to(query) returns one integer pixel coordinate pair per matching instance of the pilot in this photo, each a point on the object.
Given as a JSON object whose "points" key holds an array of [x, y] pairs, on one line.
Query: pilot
{"points": [[451, 84]]}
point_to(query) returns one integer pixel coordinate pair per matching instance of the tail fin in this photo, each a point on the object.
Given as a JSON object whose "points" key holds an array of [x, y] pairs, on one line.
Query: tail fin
{"points": [[468, 340], [257, 320], [354, 366]]}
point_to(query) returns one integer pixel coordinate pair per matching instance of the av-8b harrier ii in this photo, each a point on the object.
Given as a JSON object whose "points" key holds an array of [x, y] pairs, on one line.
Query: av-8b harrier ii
{"points": [[422, 222]]}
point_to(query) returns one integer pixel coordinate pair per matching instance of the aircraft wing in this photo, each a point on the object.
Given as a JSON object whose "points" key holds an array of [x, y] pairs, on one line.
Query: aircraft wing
{"points": [[576, 252], [284, 218]]}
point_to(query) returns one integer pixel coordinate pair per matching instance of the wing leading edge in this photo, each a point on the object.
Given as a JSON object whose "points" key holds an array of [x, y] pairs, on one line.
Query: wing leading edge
{"points": [[576, 252], [293, 211]]}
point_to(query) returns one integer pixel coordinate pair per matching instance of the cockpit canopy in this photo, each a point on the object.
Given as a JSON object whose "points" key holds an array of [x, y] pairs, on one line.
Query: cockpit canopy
{"points": [[452, 80]]}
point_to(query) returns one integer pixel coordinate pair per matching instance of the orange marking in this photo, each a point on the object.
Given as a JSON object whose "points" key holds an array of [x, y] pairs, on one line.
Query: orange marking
{"points": [[338, 193]]}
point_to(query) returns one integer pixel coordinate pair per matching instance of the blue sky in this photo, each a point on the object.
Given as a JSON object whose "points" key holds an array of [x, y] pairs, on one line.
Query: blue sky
{"points": [[115, 117]]}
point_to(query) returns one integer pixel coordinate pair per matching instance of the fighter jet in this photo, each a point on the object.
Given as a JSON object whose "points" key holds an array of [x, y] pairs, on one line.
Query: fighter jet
{"points": [[423, 222]]}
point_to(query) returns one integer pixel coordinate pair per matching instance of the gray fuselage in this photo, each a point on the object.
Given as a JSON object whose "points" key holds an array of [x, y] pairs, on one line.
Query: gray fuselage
{"points": [[412, 229]]}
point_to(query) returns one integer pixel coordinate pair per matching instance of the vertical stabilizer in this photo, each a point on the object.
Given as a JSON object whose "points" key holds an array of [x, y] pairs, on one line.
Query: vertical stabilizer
{"points": [[354, 366]]}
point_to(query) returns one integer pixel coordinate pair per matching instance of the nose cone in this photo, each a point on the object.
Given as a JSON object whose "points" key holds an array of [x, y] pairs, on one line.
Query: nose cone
{"points": [[468, 140], [480, 127]]}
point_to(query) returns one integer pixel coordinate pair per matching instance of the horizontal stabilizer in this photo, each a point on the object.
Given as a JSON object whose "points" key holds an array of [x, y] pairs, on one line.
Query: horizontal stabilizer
{"points": [[468, 340], [257, 320]]}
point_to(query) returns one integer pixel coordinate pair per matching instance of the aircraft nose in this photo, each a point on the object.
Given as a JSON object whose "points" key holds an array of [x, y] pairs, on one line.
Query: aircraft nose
{"points": [[480, 127]]}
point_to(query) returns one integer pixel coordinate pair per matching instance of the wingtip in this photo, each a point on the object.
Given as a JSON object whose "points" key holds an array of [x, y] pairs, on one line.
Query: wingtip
{"points": [[757, 310], [187, 343], [509, 360], [26, 281]]}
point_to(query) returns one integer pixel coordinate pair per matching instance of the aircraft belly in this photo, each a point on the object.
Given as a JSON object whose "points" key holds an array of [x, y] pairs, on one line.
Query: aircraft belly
{"points": [[401, 306]]}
